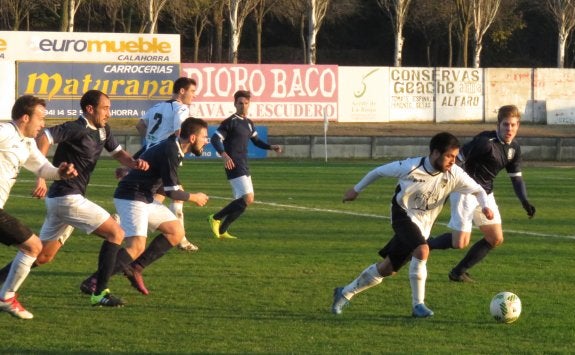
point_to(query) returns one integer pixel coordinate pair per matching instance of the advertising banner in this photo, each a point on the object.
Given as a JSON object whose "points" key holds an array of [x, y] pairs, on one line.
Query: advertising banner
{"points": [[86, 46], [459, 94], [132, 88], [411, 92], [436, 94], [7, 85], [363, 94], [508, 86], [279, 92]]}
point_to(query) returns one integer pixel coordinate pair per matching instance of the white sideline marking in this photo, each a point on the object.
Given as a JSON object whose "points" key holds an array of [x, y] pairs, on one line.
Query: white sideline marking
{"points": [[348, 213]]}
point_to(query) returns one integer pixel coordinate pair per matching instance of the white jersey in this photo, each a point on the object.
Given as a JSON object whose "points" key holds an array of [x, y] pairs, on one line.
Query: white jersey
{"points": [[16, 151], [163, 119], [422, 190]]}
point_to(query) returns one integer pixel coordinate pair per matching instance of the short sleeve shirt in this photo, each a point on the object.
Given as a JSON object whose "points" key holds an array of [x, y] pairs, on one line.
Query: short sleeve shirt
{"points": [[163, 119], [82, 145]]}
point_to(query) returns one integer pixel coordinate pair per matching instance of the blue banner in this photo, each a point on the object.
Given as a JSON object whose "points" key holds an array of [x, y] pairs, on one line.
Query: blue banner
{"points": [[253, 151]]}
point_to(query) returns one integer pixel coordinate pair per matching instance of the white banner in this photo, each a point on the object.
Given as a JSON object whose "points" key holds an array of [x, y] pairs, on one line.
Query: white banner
{"points": [[89, 47], [363, 94]]}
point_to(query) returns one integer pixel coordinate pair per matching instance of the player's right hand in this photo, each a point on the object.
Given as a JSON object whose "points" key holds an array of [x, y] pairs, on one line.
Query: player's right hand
{"points": [[350, 195], [199, 198]]}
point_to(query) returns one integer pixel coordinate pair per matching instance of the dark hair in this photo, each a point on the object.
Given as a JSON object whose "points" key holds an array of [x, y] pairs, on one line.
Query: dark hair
{"points": [[192, 125], [183, 83], [442, 142], [91, 97], [507, 111], [242, 93], [25, 105]]}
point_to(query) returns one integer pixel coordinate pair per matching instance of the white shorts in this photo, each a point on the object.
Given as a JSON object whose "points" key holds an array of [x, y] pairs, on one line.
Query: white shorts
{"points": [[466, 211], [137, 217], [242, 186], [65, 213]]}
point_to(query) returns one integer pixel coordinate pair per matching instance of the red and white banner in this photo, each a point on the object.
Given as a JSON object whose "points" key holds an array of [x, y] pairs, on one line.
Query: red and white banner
{"points": [[279, 92]]}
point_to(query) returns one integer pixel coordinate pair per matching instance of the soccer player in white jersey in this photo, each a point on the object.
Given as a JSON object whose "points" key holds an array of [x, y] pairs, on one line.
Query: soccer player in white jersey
{"points": [[161, 121], [424, 184], [18, 149]]}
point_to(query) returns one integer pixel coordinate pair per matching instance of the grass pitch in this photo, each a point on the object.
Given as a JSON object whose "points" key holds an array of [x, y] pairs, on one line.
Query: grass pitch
{"points": [[270, 291]]}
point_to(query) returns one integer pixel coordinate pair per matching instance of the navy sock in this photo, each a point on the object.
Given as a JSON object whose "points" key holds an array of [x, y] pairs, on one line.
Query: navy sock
{"points": [[235, 210], [106, 264], [476, 253], [157, 248], [443, 241]]}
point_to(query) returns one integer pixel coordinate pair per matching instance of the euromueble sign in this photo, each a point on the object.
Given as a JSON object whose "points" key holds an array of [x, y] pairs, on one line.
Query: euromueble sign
{"points": [[86, 46], [67, 47], [132, 87], [279, 92]]}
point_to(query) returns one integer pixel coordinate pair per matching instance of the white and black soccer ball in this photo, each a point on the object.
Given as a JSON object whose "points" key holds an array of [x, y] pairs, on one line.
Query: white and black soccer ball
{"points": [[505, 307]]}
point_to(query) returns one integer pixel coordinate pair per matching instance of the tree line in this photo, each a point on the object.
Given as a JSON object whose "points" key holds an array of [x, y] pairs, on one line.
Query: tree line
{"points": [[462, 33]]}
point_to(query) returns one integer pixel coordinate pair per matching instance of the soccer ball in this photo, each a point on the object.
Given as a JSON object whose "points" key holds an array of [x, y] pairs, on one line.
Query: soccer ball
{"points": [[505, 307]]}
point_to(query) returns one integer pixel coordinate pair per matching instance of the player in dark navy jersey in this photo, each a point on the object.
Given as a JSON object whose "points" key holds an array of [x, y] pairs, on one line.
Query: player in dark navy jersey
{"points": [[231, 142], [81, 142], [483, 158], [161, 121], [140, 212]]}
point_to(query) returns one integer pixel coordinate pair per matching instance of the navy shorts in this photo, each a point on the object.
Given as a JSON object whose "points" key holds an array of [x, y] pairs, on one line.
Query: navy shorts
{"points": [[406, 239], [12, 231]]}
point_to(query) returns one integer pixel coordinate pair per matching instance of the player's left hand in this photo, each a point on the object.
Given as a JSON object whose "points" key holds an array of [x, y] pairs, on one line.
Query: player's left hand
{"points": [[529, 208], [41, 188], [141, 164], [67, 170], [277, 148]]}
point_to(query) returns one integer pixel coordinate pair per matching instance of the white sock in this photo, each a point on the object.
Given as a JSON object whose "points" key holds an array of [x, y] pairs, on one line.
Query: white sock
{"points": [[417, 277], [18, 272], [177, 207], [368, 278]]}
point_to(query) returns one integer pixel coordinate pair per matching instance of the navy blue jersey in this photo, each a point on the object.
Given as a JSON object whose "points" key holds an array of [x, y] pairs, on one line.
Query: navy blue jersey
{"points": [[164, 160], [81, 145], [236, 132], [486, 155]]}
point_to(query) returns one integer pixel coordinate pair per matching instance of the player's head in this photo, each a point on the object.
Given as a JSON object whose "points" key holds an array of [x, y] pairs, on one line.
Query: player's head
{"points": [[184, 90], [508, 119], [242, 100], [443, 150], [195, 130], [28, 114], [96, 107]]}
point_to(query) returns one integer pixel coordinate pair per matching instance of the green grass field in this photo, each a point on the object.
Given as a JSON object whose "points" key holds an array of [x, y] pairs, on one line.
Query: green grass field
{"points": [[270, 291]]}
